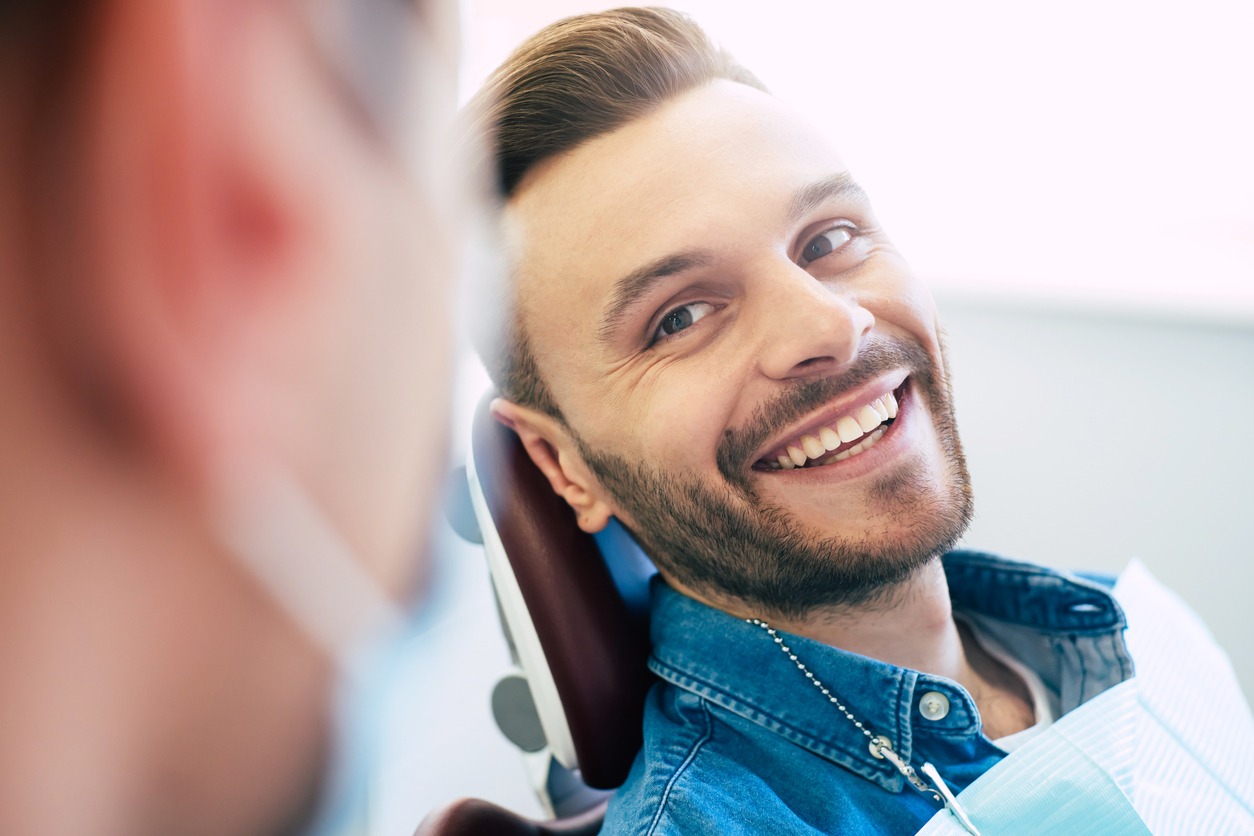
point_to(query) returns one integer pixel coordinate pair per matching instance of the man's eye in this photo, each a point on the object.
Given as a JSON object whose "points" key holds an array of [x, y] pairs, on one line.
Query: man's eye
{"points": [[680, 318], [826, 242]]}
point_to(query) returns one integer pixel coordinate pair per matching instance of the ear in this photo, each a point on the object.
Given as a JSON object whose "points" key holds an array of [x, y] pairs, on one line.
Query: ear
{"points": [[557, 456], [197, 233]]}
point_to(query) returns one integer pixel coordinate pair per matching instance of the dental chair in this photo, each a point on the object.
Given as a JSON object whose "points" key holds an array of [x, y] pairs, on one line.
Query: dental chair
{"points": [[574, 610]]}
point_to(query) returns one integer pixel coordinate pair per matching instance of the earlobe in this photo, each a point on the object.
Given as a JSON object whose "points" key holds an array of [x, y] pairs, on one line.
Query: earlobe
{"points": [[552, 451], [595, 519], [591, 512]]}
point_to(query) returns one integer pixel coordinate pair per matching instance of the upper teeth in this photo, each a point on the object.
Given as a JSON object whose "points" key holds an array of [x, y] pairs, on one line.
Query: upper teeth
{"points": [[865, 419]]}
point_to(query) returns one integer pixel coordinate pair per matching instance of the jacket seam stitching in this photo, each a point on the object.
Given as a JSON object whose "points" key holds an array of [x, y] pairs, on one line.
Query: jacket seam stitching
{"points": [[849, 756], [688, 759]]}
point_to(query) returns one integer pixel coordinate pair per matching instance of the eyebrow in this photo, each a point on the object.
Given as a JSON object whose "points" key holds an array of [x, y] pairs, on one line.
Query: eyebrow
{"points": [[840, 185], [630, 289]]}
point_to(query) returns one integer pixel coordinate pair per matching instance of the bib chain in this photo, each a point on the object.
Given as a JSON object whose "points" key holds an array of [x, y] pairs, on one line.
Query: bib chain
{"points": [[880, 746]]}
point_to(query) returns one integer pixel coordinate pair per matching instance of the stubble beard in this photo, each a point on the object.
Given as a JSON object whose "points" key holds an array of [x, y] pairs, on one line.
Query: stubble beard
{"points": [[724, 542]]}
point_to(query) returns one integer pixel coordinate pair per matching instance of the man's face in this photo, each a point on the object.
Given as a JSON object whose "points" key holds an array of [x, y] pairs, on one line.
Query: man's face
{"points": [[746, 364]]}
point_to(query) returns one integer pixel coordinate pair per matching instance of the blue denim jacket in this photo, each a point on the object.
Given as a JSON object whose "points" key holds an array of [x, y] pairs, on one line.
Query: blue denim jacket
{"points": [[737, 740]]}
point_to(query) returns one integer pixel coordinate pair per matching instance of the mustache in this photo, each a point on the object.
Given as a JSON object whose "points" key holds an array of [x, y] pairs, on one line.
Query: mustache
{"points": [[738, 446]]}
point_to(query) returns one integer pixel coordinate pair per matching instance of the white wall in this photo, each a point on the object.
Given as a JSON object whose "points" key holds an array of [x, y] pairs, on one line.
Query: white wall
{"points": [[1094, 439]]}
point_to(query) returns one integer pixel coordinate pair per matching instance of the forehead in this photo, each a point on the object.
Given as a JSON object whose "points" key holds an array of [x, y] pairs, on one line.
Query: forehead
{"points": [[714, 168]]}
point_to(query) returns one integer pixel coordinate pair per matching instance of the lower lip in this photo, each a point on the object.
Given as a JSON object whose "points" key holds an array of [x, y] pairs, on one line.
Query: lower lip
{"points": [[891, 444]]}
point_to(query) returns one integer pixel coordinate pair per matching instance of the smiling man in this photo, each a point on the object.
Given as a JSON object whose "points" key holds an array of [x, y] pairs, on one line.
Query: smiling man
{"points": [[710, 337]]}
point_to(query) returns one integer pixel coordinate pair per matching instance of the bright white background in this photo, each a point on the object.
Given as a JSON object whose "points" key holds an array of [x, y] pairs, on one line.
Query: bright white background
{"points": [[1075, 179], [1092, 152]]}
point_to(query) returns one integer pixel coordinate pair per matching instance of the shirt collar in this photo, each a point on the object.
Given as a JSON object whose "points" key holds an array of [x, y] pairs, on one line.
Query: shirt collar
{"points": [[737, 665]]}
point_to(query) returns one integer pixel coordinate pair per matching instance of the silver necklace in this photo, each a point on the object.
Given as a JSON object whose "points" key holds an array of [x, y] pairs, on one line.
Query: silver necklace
{"points": [[881, 747]]}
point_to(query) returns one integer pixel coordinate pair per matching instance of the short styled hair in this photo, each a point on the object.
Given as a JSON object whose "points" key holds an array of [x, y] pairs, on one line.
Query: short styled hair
{"points": [[580, 78]]}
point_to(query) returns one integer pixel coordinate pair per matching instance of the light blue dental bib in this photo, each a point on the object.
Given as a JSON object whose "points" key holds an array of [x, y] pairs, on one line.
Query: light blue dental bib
{"points": [[1170, 751]]}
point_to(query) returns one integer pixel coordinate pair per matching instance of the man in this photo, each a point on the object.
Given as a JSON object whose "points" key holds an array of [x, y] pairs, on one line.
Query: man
{"points": [[710, 337], [224, 324]]}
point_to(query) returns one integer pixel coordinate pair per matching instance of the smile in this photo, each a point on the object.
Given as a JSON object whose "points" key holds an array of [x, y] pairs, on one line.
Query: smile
{"points": [[844, 438]]}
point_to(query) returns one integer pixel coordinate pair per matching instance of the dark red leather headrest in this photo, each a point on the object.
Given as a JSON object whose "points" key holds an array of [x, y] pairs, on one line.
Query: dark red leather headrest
{"points": [[596, 650], [472, 817]]}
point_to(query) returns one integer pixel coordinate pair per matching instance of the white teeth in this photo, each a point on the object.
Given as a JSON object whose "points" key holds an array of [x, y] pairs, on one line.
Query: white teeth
{"points": [[812, 446], [865, 422], [867, 418], [862, 446], [848, 429]]}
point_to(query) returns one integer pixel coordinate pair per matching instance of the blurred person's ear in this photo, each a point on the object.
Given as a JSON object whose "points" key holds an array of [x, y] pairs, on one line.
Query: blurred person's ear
{"points": [[268, 279], [212, 145]]}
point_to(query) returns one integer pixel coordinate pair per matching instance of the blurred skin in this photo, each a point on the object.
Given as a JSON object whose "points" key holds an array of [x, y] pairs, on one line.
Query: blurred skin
{"points": [[739, 345], [218, 260]]}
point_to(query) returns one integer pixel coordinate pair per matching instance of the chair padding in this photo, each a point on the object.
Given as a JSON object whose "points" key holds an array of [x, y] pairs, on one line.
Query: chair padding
{"points": [[472, 817], [596, 651]]}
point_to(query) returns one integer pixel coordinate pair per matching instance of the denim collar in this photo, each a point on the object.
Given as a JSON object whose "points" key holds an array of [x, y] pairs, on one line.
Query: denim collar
{"points": [[1067, 629]]}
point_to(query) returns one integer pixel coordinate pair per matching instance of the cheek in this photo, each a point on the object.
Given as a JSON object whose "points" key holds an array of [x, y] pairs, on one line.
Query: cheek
{"points": [[388, 405], [408, 339], [903, 302], [680, 417]]}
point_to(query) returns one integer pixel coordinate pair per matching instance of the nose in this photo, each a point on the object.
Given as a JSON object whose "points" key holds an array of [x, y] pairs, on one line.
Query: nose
{"points": [[810, 328]]}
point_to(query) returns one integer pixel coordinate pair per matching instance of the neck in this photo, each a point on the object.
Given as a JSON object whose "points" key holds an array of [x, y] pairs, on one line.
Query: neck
{"points": [[912, 626], [138, 667]]}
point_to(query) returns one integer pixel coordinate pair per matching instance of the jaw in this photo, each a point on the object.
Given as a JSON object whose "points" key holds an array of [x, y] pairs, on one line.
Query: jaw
{"points": [[792, 540]]}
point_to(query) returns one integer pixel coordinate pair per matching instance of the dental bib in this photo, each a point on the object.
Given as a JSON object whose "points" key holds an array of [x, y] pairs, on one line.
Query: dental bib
{"points": [[1170, 751]]}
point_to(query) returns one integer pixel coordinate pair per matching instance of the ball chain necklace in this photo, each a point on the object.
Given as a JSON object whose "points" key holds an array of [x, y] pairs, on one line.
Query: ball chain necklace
{"points": [[881, 747]]}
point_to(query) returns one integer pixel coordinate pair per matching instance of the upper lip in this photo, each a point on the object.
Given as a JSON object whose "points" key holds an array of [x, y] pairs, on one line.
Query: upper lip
{"points": [[832, 412]]}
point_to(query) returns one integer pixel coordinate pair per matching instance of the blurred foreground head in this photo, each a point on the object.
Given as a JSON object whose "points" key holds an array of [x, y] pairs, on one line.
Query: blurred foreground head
{"points": [[224, 268]]}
